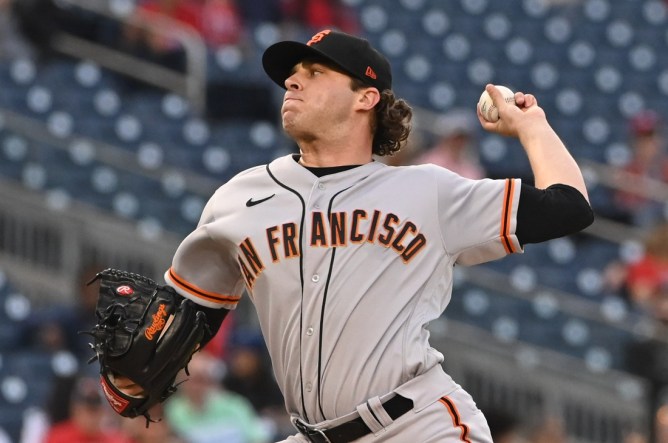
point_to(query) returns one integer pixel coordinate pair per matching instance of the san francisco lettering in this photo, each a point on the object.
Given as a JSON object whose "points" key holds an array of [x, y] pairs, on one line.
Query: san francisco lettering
{"points": [[337, 230]]}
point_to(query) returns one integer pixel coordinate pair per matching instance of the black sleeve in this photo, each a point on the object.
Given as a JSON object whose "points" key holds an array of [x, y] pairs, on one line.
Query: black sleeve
{"points": [[214, 318], [544, 214]]}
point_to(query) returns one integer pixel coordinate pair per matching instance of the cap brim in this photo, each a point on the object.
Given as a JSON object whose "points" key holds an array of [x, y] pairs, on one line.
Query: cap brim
{"points": [[280, 58]]}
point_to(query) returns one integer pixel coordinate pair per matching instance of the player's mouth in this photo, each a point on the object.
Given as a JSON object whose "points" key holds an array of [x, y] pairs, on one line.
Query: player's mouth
{"points": [[289, 97], [288, 103]]}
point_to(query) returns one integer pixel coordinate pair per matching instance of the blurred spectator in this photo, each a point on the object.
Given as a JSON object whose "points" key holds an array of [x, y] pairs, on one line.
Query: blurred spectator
{"points": [[649, 359], [159, 431], [647, 285], [649, 161], [249, 374], [40, 20], [503, 426], [321, 14], [635, 437], [202, 412], [160, 47], [87, 423], [550, 430], [217, 21], [186, 12], [12, 43], [56, 327], [55, 410], [221, 22], [455, 148], [661, 424], [647, 278], [257, 12]]}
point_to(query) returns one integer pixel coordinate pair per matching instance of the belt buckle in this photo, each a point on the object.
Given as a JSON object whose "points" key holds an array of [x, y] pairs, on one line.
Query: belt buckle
{"points": [[310, 432]]}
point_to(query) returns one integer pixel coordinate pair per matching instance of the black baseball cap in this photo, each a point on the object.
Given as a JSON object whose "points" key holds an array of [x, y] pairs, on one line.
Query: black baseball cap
{"points": [[354, 55]]}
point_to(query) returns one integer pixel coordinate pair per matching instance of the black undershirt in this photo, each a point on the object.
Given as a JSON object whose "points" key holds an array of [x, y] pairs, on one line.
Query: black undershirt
{"points": [[542, 214]]}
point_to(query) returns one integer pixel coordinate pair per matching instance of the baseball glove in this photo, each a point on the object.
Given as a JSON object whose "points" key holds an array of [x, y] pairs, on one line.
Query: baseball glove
{"points": [[146, 333]]}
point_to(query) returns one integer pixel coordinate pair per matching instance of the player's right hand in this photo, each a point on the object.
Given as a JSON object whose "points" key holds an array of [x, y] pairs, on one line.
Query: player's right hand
{"points": [[513, 119]]}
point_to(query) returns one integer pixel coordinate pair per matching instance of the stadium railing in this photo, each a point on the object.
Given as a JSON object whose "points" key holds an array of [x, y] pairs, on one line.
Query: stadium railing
{"points": [[191, 84]]}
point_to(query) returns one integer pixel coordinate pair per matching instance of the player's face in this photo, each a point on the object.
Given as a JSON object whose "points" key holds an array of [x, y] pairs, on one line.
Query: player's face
{"points": [[318, 101]]}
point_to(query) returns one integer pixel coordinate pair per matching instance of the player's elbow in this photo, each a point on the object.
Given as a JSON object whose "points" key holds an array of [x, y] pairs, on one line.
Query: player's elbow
{"points": [[582, 215], [575, 212]]}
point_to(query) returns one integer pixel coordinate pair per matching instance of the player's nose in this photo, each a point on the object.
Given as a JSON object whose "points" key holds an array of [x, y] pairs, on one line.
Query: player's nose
{"points": [[292, 82]]}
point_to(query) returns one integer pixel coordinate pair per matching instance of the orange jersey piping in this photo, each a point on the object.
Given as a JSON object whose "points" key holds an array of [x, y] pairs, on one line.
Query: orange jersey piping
{"points": [[506, 215], [456, 419], [198, 292]]}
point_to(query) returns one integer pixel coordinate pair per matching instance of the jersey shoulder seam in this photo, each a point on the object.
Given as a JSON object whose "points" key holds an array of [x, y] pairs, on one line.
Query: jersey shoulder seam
{"points": [[433, 170]]}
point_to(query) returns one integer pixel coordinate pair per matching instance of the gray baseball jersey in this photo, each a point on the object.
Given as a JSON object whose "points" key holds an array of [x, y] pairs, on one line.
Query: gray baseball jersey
{"points": [[345, 271]]}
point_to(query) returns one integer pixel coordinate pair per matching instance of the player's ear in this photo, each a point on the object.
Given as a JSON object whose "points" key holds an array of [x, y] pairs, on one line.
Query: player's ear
{"points": [[368, 98]]}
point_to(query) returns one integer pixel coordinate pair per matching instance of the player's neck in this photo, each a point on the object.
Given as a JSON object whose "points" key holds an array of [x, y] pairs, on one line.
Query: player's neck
{"points": [[330, 153], [326, 160]]}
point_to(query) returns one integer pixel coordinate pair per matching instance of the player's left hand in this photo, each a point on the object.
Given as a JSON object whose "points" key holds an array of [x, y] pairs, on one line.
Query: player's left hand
{"points": [[513, 119], [145, 334]]}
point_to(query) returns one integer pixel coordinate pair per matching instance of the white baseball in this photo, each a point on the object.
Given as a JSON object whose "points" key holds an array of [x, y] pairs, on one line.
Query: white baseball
{"points": [[487, 107]]}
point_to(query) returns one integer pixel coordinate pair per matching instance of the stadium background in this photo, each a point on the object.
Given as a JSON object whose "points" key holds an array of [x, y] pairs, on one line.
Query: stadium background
{"points": [[109, 151]]}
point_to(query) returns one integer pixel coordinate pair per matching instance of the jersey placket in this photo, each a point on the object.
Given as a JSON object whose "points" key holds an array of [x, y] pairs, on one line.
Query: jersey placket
{"points": [[316, 270]]}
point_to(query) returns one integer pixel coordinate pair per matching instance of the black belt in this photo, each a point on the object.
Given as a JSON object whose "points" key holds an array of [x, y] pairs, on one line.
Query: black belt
{"points": [[355, 428]]}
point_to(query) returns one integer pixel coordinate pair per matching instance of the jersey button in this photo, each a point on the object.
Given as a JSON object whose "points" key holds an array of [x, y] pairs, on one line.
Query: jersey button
{"points": [[321, 186], [309, 331], [309, 386], [315, 278]]}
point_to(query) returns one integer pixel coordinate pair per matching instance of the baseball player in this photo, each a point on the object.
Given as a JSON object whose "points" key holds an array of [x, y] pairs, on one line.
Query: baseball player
{"points": [[347, 260]]}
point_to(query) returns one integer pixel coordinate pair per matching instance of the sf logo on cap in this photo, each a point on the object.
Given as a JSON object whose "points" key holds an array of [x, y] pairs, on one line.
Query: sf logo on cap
{"points": [[319, 36]]}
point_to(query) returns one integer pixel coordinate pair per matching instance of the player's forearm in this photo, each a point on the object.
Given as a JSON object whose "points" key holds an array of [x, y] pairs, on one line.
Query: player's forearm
{"points": [[550, 160]]}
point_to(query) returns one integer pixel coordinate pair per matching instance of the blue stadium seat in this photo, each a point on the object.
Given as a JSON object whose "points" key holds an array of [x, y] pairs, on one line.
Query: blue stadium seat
{"points": [[57, 74], [11, 421]]}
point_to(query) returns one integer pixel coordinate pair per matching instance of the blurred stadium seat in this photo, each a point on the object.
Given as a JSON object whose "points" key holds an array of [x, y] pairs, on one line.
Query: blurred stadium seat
{"points": [[592, 64]]}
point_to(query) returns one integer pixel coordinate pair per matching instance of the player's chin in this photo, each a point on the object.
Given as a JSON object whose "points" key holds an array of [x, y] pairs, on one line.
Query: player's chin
{"points": [[290, 120], [287, 123]]}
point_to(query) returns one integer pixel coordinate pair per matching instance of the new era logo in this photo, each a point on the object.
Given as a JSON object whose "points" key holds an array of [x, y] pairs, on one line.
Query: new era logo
{"points": [[370, 73]]}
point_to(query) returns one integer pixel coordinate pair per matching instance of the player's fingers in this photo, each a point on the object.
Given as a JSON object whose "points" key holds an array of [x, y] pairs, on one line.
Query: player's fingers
{"points": [[520, 99], [530, 100], [126, 385], [495, 94]]}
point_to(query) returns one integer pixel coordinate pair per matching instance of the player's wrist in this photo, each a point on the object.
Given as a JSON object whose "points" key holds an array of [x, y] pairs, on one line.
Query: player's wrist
{"points": [[534, 132]]}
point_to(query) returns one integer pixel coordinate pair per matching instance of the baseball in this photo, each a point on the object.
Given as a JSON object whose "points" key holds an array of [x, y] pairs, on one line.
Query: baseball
{"points": [[487, 108]]}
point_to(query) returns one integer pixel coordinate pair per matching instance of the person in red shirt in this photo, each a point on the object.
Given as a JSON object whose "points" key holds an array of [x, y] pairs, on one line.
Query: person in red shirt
{"points": [[455, 148], [221, 22], [319, 14], [87, 422], [160, 47], [649, 162], [647, 279]]}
